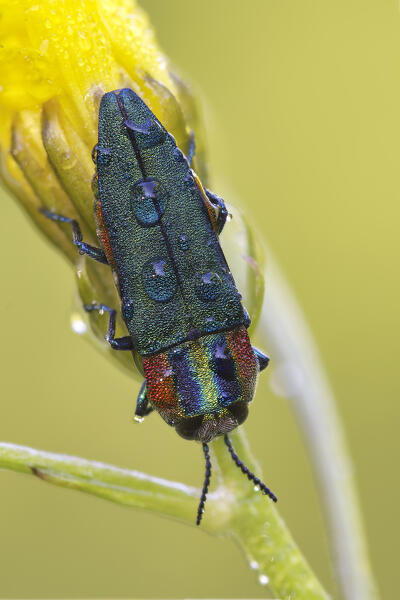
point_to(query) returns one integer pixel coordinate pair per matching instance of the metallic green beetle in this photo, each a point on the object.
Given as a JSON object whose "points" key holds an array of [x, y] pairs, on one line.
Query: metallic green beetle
{"points": [[158, 229]]}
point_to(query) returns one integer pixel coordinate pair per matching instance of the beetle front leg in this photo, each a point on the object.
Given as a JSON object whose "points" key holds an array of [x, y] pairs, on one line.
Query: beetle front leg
{"points": [[91, 251], [142, 405], [122, 343]]}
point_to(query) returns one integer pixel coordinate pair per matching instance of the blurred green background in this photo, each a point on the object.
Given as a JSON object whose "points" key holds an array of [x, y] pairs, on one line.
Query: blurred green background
{"points": [[301, 103]]}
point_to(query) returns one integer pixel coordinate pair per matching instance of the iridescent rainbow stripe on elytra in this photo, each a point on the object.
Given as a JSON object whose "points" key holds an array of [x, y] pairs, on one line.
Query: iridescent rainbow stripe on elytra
{"points": [[203, 376]]}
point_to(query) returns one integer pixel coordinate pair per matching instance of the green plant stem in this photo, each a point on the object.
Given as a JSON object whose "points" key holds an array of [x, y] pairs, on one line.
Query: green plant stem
{"points": [[233, 509], [260, 532], [131, 488], [300, 376]]}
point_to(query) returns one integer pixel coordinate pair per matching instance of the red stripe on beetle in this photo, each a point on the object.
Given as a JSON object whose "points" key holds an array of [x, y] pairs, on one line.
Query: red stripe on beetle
{"points": [[160, 384]]}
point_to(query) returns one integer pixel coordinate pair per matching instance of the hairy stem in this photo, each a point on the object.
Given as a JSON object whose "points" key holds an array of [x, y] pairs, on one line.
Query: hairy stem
{"points": [[234, 509], [260, 531], [123, 486], [300, 377]]}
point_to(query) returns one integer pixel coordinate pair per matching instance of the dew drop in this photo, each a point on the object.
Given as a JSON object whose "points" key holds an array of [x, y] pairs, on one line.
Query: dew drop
{"points": [[208, 286], [159, 279], [138, 419], [253, 565], [263, 579], [149, 201], [78, 325]]}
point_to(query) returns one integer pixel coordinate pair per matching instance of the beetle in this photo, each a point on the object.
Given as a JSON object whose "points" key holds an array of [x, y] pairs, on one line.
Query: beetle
{"points": [[158, 229]]}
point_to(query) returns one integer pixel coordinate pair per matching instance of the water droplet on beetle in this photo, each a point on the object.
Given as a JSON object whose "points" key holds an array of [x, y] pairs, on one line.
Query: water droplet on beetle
{"points": [[208, 286], [158, 267], [159, 280], [149, 201]]}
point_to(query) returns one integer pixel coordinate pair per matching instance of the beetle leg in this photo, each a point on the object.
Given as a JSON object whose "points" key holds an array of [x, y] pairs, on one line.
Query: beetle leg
{"points": [[262, 358], [142, 405], [122, 343], [91, 251], [220, 209]]}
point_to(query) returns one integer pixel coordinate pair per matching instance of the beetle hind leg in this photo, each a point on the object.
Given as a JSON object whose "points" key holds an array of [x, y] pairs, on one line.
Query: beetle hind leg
{"points": [[262, 359], [121, 343]]}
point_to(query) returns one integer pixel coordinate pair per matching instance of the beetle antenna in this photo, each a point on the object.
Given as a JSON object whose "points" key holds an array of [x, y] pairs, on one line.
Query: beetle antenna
{"points": [[206, 483], [247, 472]]}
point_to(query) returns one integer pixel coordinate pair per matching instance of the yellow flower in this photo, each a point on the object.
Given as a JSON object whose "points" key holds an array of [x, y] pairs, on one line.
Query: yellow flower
{"points": [[57, 59]]}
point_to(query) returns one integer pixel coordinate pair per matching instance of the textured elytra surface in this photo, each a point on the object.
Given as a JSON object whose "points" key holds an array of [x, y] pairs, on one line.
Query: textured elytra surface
{"points": [[174, 282], [210, 376]]}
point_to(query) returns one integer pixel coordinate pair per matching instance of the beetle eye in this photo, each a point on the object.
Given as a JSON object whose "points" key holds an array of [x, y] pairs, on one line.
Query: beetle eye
{"points": [[188, 428], [239, 410]]}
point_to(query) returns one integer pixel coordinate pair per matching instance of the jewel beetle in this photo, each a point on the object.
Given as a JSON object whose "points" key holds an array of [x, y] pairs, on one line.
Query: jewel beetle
{"points": [[158, 229]]}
